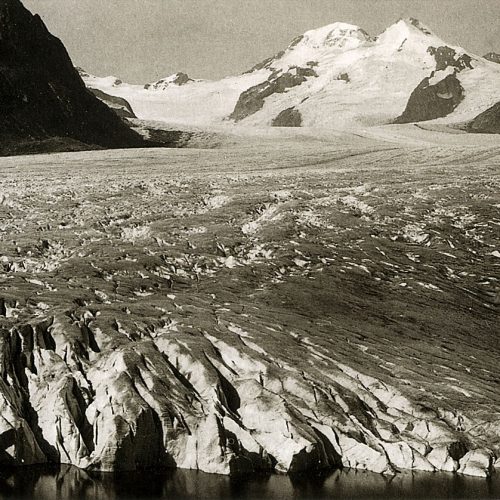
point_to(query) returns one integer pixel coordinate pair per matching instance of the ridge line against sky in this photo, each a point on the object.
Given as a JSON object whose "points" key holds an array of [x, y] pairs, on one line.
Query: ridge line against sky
{"points": [[144, 40]]}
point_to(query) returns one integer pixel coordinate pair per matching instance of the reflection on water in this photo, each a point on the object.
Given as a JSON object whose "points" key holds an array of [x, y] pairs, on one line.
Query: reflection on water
{"points": [[66, 482]]}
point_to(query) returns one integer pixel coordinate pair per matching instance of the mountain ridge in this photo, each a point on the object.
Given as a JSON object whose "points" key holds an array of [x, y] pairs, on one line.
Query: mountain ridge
{"points": [[336, 76], [41, 94]]}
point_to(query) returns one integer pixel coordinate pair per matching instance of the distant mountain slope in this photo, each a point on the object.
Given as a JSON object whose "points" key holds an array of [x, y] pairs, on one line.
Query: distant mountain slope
{"points": [[337, 76], [193, 103], [178, 79], [42, 96]]}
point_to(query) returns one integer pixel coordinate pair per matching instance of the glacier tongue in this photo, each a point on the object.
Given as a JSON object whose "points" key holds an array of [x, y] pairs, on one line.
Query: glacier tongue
{"points": [[285, 317]]}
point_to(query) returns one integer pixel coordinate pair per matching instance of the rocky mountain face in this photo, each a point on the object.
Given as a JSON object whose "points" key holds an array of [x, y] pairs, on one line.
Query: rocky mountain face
{"points": [[428, 102], [42, 98], [253, 99], [337, 76]]}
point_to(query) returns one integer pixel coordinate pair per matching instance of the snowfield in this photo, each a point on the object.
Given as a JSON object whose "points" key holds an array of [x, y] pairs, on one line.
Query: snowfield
{"points": [[288, 303]]}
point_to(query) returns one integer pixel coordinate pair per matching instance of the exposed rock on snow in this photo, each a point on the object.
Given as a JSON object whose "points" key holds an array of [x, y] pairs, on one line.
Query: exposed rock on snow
{"points": [[253, 99], [488, 122], [111, 80], [493, 57], [290, 117], [447, 57], [441, 93], [119, 105], [178, 79], [428, 101]]}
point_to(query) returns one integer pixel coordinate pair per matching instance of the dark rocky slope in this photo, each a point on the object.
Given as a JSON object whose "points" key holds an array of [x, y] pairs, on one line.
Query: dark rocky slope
{"points": [[428, 102], [42, 96], [487, 122], [253, 99]]}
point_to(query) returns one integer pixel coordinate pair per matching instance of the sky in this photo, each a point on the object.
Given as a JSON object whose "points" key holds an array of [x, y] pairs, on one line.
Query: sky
{"points": [[142, 41]]}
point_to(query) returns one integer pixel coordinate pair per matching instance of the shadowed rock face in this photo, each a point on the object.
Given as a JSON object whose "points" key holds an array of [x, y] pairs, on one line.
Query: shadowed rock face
{"points": [[253, 99], [487, 122], [41, 94], [290, 117], [493, 57], [428, 102], [418, 25]]}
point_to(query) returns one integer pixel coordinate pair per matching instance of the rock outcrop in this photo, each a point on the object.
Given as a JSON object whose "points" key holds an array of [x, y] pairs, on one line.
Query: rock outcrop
{"points": [[493, 57], [290, 117], [488, 122], [179, 79], [428, 102], [42, 97], [446, 57], [253, 99], [119, 105], [438, 95]]}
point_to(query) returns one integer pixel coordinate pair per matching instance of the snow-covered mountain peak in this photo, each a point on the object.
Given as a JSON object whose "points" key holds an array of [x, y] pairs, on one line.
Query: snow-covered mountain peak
{"points": [[415, 23], [409, 30], [317, 46], [334, 76], [97, 81], [340, 36]]}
